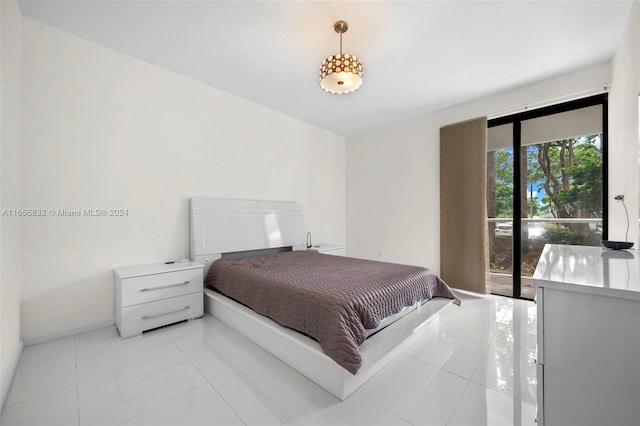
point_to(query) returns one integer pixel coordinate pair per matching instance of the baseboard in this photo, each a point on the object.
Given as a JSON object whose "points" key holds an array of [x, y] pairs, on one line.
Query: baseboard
{"points": [[5, 386], [469, 293], [66, 332]]}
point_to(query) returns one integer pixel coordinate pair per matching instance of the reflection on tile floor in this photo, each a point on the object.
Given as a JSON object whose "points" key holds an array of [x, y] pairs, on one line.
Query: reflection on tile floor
{"points": [[473, 365]]}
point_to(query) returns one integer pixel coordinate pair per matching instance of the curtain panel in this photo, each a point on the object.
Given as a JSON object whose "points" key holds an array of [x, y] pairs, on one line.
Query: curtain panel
{"points": [[464, 254]]}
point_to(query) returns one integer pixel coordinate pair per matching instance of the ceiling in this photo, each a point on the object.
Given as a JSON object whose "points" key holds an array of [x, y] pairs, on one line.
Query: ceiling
{"points": [[418, 56]]}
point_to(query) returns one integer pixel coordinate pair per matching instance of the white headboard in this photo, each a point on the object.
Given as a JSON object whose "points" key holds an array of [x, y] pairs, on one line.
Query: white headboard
{"points": [[220, 225]]}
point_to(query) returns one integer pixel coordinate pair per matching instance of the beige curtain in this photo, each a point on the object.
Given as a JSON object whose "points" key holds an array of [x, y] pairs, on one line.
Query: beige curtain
{"points": [[464, 261]]}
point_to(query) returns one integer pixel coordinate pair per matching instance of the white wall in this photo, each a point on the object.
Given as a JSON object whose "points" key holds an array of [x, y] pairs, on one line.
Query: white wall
{"points": [[623, 135], [104, 130], [10, 192], [393, 173]]}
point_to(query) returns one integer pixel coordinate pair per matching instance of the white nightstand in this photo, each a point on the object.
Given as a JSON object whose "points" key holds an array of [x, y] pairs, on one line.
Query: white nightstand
{"points": [[150, 296], [328, 249]]}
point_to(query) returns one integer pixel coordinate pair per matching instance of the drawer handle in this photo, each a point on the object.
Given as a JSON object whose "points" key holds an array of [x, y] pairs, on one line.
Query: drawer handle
{"points": [[164, 286], [146, 317]]}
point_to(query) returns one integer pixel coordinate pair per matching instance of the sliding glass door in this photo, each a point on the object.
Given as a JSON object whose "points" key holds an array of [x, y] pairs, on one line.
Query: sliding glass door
{"points": [[546, 183]]}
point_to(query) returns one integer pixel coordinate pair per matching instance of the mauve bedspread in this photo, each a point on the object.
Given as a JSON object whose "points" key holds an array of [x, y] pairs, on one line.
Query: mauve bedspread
{"points": [[333, 299]]}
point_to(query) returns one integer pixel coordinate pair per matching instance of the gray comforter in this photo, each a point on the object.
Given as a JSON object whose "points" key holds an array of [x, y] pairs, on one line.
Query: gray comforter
{"points": [[332, 299]]}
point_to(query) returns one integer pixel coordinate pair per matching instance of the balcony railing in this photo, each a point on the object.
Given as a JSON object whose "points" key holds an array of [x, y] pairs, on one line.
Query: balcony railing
{"points": [[548, 220]]}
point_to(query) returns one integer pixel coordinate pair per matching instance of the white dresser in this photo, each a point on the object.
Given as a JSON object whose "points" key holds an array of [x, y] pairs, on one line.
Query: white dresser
{"points": [[588, 303], [328, 249], [150, 296]]}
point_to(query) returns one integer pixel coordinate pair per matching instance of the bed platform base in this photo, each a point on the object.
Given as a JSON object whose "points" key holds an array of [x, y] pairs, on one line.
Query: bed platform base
{"points": [[305, 354]]}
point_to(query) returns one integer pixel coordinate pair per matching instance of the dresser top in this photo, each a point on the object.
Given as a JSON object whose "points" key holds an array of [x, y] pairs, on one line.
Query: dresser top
{"points": [[588, 269], [155, 268]]}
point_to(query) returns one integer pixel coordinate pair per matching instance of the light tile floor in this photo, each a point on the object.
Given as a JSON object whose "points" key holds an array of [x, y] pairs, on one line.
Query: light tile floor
{"points": [[473, 365]]}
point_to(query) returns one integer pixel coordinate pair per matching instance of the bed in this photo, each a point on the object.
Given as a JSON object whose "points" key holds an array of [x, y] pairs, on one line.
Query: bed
{"points": [[363, 323]]}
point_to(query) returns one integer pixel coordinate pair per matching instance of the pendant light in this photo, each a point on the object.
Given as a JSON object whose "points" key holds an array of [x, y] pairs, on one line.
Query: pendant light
{"points": [[342, 72]]}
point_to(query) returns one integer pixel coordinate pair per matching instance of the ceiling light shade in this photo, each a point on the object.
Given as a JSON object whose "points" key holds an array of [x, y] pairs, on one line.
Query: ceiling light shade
{"points": [[342, 72]]}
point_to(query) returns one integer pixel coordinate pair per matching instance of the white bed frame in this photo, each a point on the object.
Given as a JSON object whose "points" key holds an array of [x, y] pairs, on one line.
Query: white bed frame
{"points": [[220, 226]]}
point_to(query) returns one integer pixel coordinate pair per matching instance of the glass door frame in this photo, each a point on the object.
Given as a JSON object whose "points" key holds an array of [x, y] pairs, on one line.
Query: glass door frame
{"points": [[516, 120]]}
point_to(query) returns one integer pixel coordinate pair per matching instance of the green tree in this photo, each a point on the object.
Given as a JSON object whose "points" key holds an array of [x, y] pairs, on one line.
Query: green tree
{"points": [[571, 175], [504, 183]]}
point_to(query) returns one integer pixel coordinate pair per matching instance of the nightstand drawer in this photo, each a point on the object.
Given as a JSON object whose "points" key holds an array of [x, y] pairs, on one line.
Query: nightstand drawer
{"points": [[149, 288], [138, 318]]}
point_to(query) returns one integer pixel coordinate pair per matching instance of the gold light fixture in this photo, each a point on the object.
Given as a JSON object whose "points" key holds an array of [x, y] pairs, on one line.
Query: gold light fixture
{"points": [[342, 72]]}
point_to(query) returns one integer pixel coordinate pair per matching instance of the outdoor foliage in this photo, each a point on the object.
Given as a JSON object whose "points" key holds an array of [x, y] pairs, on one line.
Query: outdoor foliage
{"points": [[558, 234], [568, 174], [561, 179]]}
